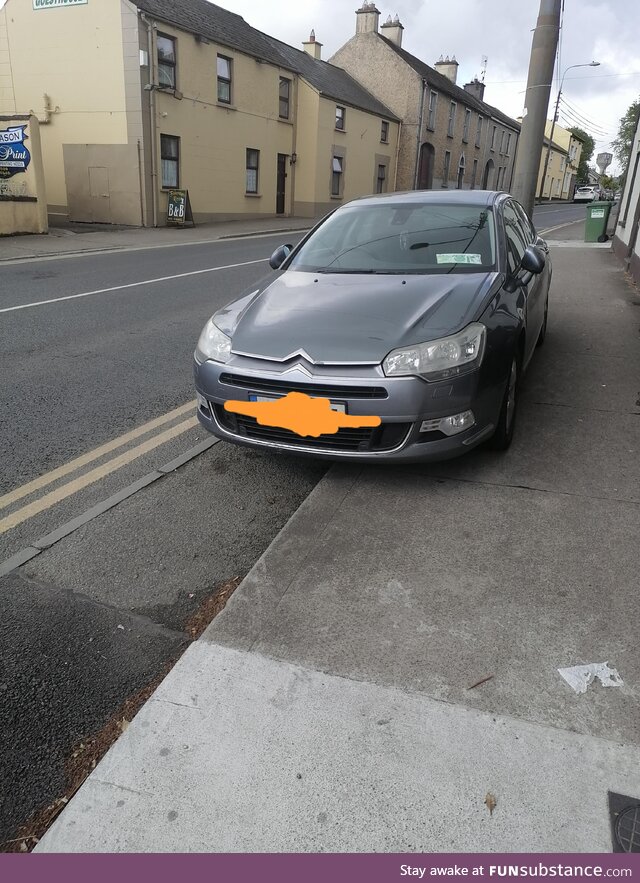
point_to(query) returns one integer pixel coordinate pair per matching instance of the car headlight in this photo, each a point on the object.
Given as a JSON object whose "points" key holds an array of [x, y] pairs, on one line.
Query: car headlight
{"points": [[213, 344], [439, 359]]}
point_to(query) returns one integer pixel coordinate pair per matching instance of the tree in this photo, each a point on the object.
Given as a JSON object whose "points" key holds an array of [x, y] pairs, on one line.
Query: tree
{"points": [[626, 133], [588, 146]]}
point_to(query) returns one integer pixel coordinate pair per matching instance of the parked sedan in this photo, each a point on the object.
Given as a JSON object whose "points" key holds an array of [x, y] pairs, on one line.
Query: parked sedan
{"points": [[423, 309], [587, 193]]}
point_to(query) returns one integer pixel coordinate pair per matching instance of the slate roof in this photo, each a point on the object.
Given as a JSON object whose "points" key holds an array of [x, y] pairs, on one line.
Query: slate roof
{"points": [[229, 29], [440, 83]]}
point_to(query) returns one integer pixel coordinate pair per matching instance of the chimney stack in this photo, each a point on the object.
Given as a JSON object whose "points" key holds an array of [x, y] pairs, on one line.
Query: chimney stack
{"points": [[312, 47], [392, 30], [475, 88], [367, 19], [448, 67]]}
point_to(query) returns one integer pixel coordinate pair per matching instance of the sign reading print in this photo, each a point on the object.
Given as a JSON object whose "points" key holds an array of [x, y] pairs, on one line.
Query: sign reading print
{"points": [[14, 155]]}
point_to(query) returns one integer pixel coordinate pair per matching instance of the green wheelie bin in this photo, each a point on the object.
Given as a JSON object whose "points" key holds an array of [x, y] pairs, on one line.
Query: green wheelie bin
{"points": [[595, 228]]}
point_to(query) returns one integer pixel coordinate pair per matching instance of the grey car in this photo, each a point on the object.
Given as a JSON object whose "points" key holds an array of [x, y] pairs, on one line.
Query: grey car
{"points": [[422, 308]]}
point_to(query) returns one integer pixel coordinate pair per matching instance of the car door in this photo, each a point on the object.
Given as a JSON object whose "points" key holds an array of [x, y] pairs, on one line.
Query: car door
{"points": [[519, 235]]}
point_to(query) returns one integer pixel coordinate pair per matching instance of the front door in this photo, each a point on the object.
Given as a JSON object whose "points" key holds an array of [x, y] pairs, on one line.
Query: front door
{"points": [[99, 195], [281, 183]]}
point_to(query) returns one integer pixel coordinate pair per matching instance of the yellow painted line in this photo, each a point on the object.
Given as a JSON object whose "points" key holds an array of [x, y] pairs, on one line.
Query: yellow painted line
{"points": [[78, 484], [49, 477]]}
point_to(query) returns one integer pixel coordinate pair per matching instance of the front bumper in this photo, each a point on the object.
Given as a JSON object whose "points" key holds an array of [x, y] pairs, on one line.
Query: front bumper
{"points": [[402, 403]]}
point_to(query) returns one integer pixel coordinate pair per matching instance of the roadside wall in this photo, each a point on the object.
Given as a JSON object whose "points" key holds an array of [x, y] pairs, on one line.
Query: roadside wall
{"points": [[23, 200], [626, 241]]}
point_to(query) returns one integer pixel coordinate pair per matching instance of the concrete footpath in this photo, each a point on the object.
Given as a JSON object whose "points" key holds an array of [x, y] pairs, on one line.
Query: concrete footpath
{"points": [[76, 239], [392, 659]]}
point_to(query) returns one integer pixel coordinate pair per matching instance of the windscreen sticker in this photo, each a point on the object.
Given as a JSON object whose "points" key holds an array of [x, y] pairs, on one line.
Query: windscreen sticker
{"points": [[459, 258]]}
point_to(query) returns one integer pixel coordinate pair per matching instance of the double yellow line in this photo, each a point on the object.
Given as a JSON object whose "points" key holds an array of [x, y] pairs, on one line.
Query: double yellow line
{"points": [[77, 484]]}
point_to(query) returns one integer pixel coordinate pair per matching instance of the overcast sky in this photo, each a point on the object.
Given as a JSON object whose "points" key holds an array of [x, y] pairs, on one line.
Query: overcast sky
{"points": [[607, 31]]}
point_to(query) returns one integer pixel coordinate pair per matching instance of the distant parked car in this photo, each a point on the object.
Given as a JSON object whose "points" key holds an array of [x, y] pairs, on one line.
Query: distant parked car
{"points": [[588, 193], [422, 309]]}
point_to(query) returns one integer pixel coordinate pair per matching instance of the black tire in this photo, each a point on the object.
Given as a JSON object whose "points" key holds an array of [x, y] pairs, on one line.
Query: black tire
{"points": [[503, 435], [543, 330]]}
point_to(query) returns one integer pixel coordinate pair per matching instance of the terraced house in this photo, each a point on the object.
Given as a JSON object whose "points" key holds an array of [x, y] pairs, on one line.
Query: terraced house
{"points": [[450, 136], [139, 97]]}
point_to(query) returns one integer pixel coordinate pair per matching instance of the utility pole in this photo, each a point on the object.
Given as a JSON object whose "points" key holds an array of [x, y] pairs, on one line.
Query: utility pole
{"points": [[541, 64]]}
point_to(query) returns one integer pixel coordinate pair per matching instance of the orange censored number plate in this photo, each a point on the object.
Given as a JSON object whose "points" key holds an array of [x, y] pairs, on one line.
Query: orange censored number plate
{"points": [[300, 413], [335, 406]]}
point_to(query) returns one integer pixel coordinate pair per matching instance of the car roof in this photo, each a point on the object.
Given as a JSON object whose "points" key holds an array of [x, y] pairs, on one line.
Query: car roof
{"points": [[481, 198]]}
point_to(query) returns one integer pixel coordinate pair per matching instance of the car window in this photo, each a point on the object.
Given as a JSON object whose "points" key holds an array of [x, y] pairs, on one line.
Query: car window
{"points": [[525, 221], [516, 237], [392, 237]]}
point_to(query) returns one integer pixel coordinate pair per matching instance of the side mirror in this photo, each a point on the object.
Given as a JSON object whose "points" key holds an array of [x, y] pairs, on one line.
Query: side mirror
{"points": [[279, 256], [533, 260]]}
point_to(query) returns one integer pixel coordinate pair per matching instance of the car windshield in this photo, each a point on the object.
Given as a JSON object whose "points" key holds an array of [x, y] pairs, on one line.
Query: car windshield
{"points": [[392, 237]]}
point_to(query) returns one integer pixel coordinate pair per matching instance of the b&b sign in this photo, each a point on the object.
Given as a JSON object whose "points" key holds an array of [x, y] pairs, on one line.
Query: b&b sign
{"points": [[179, 208]]}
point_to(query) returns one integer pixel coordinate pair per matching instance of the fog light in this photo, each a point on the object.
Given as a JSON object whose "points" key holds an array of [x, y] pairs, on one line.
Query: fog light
{"points": [[450, 425]]}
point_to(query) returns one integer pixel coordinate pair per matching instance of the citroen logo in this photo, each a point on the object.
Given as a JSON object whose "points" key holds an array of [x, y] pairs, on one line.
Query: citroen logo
{"points": [[300, 368]]}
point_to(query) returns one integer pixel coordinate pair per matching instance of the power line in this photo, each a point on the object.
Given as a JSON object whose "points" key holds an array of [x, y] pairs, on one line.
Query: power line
{"points": [[580, 112], [580, 121], [593, 77]]}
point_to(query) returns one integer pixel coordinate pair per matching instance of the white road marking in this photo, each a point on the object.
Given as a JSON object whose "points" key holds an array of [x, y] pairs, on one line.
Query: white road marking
{"points": [[560, 226], [55, 300]]}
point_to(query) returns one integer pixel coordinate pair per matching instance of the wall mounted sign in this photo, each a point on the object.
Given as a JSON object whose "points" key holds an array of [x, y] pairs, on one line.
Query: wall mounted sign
{"points": [[47, 4], [179, 208], [14, 156]]}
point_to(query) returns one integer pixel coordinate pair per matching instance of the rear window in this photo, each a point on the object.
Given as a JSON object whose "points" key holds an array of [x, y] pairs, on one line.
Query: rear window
{"points": [[402, 238]]}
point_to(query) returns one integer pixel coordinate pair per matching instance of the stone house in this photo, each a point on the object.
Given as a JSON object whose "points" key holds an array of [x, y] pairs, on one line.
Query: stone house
{"points": [[450, 137]]}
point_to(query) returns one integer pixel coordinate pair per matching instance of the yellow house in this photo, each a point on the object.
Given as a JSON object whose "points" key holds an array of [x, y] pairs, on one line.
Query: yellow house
{"points": [[136, 98], [561, 178]]}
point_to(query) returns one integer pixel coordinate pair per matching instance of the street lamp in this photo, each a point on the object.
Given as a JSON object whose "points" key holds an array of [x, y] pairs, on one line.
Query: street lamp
{"points": [[555, 119]]}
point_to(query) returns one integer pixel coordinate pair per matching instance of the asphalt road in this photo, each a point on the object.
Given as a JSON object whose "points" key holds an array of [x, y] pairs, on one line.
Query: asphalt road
{"points": [[99, 615]]}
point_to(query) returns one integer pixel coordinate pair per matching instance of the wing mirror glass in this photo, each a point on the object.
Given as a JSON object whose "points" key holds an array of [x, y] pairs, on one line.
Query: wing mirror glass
{"points": [[279, 256]]}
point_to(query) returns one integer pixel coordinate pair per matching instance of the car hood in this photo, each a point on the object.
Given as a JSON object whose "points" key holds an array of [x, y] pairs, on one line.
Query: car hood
{"points": [[338, 318]]}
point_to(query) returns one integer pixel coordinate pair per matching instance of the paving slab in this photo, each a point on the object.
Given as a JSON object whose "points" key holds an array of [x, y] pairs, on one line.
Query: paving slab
{"points": [[239, 753]]}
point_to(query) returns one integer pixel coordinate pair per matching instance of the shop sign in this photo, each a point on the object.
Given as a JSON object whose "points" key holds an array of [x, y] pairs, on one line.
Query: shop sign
{"points": [[47, 4], [14, 155]]}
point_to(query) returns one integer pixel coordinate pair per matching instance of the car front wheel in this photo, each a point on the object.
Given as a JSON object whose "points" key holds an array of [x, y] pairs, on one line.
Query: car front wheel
{"points": [[503, 435]]}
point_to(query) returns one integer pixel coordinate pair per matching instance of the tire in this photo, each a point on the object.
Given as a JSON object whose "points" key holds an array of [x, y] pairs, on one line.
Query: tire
{"points": [[503, 435], [543, 330]]}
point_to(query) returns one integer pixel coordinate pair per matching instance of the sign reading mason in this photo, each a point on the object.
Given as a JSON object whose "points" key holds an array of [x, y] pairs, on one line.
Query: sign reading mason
{"points": [[45, 4], [179, 208], [14, 156]]}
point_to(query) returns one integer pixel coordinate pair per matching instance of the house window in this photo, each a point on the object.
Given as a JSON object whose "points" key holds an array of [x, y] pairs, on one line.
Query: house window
{"points": [[166, 61], [562, 163], [336, 176], [340, 116], [508, 150], [447, 166], [452, 119], [461, 168], [493, 137], [224, 79], [467, 123], [170, 158], [384, 132], [474, 174], [558, 186], [285, 90], [382, 177], [501, 171], [253, 165], [479, 132], [433, 101], [503, 138]]}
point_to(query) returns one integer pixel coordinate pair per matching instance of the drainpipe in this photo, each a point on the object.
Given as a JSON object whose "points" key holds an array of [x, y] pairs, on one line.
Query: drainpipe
{"points": [[419, 135], [294, 145], [140, 182], [395, 175], [152, 115]]}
